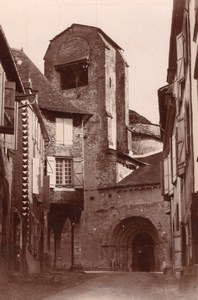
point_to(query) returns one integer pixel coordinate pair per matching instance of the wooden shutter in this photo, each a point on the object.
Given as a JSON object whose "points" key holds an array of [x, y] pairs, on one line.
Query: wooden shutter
{"points": [[64, 131], [9, 104], [162, 177], [36, 175], [174, 159], [2, 75], [166, 185], [59, 131], [33, 126], [180, 56], [170, 185], [196, 22], [68, 131], [78, 172], [39, 136], [51, 170], [181, 149]]}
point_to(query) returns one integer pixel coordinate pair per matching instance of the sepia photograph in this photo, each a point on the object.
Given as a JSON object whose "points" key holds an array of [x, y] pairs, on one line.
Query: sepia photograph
{"points": [[99, 150]]}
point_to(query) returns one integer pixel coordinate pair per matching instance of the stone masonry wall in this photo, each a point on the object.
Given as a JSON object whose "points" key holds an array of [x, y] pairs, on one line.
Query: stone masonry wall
{"points": [[107, 208], [90, 97], [71, 151]]}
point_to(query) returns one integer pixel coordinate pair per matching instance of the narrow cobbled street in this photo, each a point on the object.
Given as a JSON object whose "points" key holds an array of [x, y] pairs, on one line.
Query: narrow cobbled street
{"points": [[97, 286]]}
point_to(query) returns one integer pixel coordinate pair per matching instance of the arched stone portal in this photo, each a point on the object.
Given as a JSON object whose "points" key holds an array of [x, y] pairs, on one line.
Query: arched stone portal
{"points": [[134, 246]]}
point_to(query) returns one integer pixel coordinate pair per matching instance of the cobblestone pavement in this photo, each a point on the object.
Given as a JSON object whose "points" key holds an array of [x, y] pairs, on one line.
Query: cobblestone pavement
{"points": [[97, 286]]}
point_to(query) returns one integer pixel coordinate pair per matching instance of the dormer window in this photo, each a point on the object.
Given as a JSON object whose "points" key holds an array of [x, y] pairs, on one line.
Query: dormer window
{"points": [[73, 75]]}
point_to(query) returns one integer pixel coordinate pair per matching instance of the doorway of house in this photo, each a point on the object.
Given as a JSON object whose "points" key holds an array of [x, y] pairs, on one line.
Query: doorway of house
{"points": [[143, 252]]}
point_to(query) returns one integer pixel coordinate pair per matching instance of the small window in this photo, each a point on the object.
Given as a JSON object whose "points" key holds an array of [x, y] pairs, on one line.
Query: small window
{"points": [[63, 172], [73, 75]]}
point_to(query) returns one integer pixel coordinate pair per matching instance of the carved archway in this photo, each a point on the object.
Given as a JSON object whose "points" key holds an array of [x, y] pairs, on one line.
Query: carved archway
{"points": [[129, 234]]}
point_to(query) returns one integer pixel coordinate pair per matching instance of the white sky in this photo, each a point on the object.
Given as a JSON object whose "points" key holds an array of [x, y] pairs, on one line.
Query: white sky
{"points": [[140, 27]]}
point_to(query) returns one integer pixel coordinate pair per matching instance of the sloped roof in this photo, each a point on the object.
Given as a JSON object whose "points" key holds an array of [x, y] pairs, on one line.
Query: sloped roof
{"points": [[152, 159], [134, 117], [49, 98], [144, 175], [8, 62], [94, 28], [139, 125]]}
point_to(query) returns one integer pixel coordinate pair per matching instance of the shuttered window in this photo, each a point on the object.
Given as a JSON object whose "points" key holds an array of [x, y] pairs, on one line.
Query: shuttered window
{"points": [[170, 184], [78, 173], [64, 131], [166, 176], [9, 104], [180, 56], [181, 149], [51, 170], [65, 172], [174, 159], [36, 175]]}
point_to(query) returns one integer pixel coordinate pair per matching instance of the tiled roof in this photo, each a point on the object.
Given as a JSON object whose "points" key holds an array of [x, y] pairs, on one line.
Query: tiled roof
{"points": [[151, 159], [49, 97], [144, 175], [94, 28], [8, 63], [134, 117]]}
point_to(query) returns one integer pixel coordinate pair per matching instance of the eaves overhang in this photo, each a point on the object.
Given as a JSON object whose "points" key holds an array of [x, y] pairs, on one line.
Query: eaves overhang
{"points": [[131, 187], [8, 63]]}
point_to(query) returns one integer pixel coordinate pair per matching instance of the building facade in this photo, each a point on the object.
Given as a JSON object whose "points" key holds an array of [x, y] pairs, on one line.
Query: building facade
{"points": [[30, 204], [64, 164], [10, 86], [89, 69], [178, 120]]}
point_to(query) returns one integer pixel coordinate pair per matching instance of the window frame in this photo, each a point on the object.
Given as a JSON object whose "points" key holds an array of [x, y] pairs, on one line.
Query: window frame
{"points": [[63, 170], [77, 171]]}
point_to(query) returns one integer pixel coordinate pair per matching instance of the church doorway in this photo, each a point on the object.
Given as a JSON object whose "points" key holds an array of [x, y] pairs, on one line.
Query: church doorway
{"points": [[143, 252], [134, 246]]}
